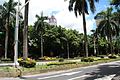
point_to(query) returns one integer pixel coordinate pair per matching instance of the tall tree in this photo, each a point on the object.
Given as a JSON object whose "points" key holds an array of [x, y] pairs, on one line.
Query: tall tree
{"points": [[40, 28], [8, 11], [107, 26], [25, 31], [94, 40], [81, 7]]}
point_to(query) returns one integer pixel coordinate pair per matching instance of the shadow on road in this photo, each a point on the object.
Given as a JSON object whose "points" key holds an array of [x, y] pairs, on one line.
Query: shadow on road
{"points": [[103, 71], [22, 78]]}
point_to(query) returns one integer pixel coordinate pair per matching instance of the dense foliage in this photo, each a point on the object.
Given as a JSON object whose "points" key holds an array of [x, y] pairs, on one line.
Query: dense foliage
{"points": [[57, 41]]}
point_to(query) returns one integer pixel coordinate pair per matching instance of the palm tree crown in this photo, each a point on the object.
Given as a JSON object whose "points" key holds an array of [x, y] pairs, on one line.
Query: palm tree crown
{"points": [[81, 6], [108, 26]]}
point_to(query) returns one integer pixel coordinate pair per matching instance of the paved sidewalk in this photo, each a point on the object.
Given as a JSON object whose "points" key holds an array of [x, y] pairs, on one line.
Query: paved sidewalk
{"points": [[6, 64]]}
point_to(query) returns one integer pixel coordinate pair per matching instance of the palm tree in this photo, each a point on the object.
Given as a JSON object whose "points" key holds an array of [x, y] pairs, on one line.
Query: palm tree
{"points": [[40, 24], [25, 31], [81, 7], [8, 11], [115, 2], [107, 26], [94, 40]]}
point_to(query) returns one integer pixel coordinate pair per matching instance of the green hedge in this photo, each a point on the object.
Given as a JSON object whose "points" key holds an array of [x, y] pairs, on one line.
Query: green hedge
{"points": [[60, 63], [112, 56], [28, 63], [89, 59], [61, 60], [48, 58]]}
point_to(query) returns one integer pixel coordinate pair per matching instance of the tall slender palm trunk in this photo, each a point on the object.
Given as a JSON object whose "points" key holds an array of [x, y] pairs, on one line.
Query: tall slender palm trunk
{"points": [[68, 50], [6, 39], [41, 38], [85, 34], [111, 46], [94, 47], [25, 32]]}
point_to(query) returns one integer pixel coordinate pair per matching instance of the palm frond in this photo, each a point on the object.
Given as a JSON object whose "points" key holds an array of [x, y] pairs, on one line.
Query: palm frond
{"points": [[78, 8], [86, 7], [92, 5], [102, 14], [70, 7]]}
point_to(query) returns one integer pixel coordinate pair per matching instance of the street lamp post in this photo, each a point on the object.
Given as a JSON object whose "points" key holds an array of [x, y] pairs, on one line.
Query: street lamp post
{"points": [[16, 36], [16, 33]]}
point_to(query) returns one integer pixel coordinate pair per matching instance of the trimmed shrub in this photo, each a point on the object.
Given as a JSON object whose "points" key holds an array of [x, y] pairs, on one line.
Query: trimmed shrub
{"points": [[112, 56], [61, 60], [6, 60], [28, 63], [60, 63], [102, 56], [48, 58], [87, 59], [3, 59]]}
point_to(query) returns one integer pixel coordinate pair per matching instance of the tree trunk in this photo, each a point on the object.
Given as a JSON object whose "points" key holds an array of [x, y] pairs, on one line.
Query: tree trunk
{"points": [[97, 49], [94, 47], [85, 34], [25, 32], [41, 45], [111, 46], [68, 50], [6, 39]]}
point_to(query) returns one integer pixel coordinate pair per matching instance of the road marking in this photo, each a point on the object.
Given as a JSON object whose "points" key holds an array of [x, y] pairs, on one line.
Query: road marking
{"points": [[72, 73], [50, 76], [64, 74], [79, 77], [106, 77]]}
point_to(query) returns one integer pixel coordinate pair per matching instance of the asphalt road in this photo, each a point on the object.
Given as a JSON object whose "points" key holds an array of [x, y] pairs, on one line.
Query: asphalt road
{"points": [[95, 72]]}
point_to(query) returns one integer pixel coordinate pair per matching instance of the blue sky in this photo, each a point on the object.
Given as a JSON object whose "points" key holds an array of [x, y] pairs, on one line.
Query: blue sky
{"points": [[102, 5], [59, 9]]}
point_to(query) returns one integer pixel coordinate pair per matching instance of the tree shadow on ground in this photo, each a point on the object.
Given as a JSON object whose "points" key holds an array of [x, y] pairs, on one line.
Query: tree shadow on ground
{"points": [[103, 71], [22, 78]]}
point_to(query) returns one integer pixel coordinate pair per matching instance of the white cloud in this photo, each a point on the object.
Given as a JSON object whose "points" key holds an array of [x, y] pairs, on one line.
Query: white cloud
{"points": [[68, 19], [64, 17]]}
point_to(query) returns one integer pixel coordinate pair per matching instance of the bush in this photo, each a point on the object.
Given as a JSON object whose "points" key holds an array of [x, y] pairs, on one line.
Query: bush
{"points": [[48, 58], [102, 56], [61, 60], [6, 60], [87, 59], [28, 63], [112, 56], [60, 63]]}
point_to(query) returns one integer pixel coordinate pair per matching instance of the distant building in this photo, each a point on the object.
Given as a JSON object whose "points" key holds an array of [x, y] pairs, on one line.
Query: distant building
{"points": [[52, 20], [98, 20]]}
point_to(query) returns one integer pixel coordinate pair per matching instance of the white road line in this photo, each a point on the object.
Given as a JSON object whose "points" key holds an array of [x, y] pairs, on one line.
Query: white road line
{"points": [[106, 77], [72, 73], [50, 76], [79, 77], [64, 74]]}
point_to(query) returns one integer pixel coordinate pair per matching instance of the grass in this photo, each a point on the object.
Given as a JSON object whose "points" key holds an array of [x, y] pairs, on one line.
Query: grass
{"points": [[12, 72]]}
